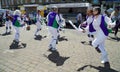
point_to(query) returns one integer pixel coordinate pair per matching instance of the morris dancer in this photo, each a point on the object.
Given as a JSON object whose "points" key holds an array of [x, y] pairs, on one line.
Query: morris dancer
{"points": [[100, 26], [53, 24], [7, 22], [38, 23], [17, 24], [86, 24], [115, 16], [61, 25]]}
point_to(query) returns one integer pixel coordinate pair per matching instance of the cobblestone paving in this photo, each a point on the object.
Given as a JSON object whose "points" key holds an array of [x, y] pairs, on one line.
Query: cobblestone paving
{"points": [[72, 55]]}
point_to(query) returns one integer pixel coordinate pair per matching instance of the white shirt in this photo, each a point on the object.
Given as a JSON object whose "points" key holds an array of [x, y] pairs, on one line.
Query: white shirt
{"points": [[97, 22], [19, 19], [38, 17], [89, 21], [57, 18]]}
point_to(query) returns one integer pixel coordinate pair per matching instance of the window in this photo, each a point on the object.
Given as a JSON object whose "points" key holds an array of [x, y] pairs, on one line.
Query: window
{"points": [[25, 1], [3, 2], [12, 2], [17, 1], [6, 3], [40, 1], [9, 2], [52, 1], [32, 1], [21, 1], [0, 5], [47, 0]]}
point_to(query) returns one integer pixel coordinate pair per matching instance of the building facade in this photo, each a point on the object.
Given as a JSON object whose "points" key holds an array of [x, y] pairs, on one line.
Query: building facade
{"points": [[0, 4], [69, 8], [32, 5], [12, 4]]}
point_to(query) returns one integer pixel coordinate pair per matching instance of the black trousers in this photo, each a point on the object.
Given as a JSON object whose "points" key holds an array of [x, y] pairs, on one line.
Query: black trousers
{"points": [[117, 27]]}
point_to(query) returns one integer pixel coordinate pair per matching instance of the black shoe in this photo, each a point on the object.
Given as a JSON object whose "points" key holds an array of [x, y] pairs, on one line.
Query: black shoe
{"points": [[98, 50], [9, 33], [107, 65], [50, 49], [56, 42], [90, 42]]}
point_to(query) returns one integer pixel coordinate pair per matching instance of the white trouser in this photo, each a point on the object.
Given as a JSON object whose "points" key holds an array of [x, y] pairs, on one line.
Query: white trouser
{"points": [[99, 42], [38, 24], [8, 26], [54, 34], [17, 33]]}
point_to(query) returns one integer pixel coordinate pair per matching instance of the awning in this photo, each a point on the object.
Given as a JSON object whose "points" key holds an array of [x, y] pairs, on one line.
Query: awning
{"points": [[68, 5], [31, 5]]}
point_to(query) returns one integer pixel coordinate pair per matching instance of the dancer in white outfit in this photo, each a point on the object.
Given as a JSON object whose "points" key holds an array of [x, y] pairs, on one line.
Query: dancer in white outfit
{"points": [[38, 23], [61, 25], [100, 26], [53, 20], [85, 25], [7, 22], [17, 24]]}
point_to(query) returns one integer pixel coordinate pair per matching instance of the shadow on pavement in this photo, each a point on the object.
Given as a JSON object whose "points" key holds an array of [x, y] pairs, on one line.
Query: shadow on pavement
{"points": [[56, 58], [17, 45], [114, 38], [85, 43], [106, 68], [39, 37], [1, 25], [4, 34], [62, 38]]}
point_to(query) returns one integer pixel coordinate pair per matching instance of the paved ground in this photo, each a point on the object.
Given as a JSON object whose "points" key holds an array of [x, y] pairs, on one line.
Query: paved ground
{"points": [[72, 55]]}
